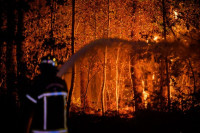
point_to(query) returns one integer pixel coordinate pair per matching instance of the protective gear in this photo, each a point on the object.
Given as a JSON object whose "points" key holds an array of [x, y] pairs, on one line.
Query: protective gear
{"points": [[48, 65], [49, 60], [47, 100]]}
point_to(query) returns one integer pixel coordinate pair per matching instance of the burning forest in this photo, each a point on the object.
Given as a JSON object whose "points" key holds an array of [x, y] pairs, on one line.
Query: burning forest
{"points": [[128, 64], [157, 76]]}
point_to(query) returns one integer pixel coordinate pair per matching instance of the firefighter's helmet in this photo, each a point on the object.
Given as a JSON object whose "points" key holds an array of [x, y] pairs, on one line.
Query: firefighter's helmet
{"points": [[48, 65], [49, 60]]}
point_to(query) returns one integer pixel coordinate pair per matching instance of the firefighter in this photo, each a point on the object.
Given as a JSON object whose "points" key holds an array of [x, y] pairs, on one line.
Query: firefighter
{"points": [[46, 108]]}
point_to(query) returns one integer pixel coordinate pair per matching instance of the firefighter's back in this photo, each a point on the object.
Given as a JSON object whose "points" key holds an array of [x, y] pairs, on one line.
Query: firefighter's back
{"points": [[48, 95]]}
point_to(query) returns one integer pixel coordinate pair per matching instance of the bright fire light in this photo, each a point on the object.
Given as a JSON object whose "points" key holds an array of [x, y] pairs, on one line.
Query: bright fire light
{"points": [[145, 98], [153, 76], [145, 95], [155, 38], [175, 14]]}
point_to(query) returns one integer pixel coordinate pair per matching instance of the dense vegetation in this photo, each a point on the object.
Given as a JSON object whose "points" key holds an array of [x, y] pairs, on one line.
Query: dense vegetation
{"points": [[154, 66]]}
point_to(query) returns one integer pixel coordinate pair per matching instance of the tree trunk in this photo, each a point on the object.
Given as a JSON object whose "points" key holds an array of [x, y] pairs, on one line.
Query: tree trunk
{"points": [[166, 60], [95, 21], [2, 39], [168, 84], [131, 77], [87, 86], [104, 83], [19, 41], [194, 81], [108, 26], [133, 80], [10, 46], [83, 89], [164, 19], [73, 68], [161, 101], [10, 66], [117, 80]]}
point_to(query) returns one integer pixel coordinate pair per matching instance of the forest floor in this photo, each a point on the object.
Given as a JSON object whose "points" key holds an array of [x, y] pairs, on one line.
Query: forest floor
{"points": [[143, 122]]}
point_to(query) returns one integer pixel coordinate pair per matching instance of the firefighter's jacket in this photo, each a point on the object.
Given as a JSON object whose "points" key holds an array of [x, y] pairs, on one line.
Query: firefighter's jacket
{"points": [[48, 96]]}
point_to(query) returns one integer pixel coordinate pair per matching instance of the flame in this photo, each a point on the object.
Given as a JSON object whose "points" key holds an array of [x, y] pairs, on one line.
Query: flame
{"points": [[175, 14], [145, 94], [155, 38], [153, 76], [143, 84]]}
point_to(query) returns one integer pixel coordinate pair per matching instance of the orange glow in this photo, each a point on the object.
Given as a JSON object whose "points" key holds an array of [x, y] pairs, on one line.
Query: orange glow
{"points": [[175, 14], [133, 70], [145, 94], [111, 89], [127, 112], [143, 83], [155, 38], [153, 76]]}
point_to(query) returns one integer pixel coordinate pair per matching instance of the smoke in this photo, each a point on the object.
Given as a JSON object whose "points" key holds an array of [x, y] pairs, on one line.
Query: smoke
{"points": [[164, 48], [99, 44]]}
